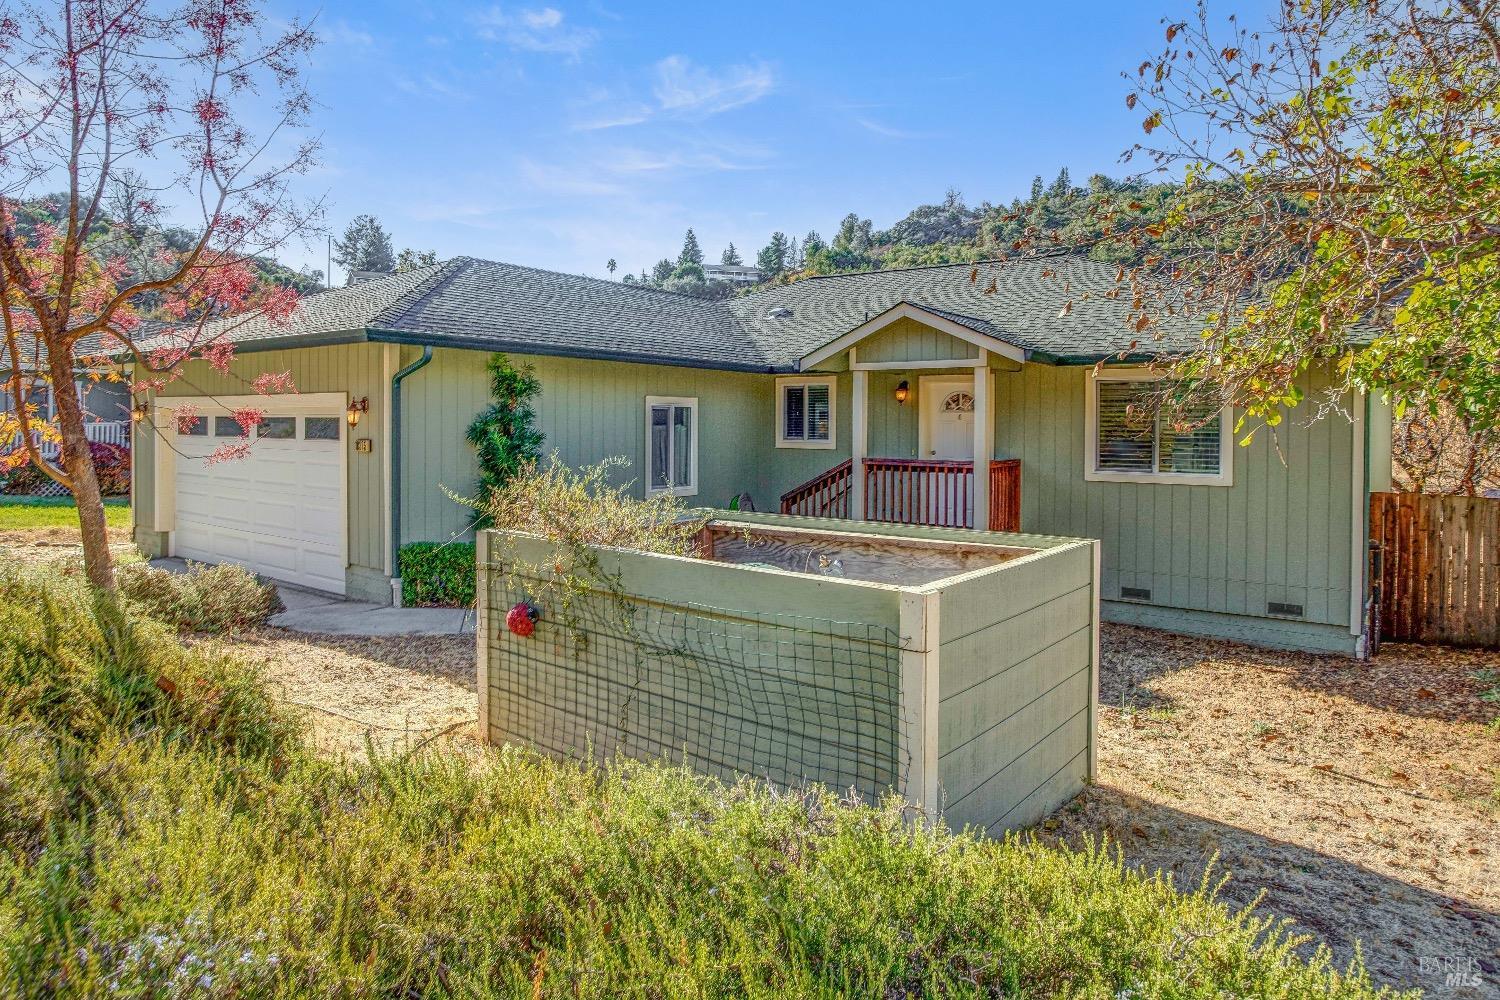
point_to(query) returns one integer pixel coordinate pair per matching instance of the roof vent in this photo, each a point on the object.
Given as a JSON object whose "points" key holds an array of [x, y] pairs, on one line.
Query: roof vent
{"points": [[779, 312]]}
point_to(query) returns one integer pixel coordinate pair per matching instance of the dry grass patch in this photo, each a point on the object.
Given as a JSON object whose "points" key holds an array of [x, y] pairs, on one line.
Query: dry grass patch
{"points": [[1361, 798], [395, 689]]}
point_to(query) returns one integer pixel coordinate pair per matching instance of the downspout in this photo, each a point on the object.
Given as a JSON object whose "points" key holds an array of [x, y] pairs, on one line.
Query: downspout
{"points": [[396, 381]]}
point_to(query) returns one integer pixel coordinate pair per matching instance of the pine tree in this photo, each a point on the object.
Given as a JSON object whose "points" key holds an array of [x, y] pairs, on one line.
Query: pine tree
{"points": [[1063, 186], [366, 246], [503, 435], [662, 271], [772, 259], [1037, 190], [731, 257], [691, 253]]}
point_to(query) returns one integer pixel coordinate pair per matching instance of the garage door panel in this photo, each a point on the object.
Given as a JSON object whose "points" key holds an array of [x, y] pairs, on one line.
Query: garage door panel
{"points": [[279, 511]]}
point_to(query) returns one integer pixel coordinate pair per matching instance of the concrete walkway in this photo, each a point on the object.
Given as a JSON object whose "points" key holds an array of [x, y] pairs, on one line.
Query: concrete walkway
{"points": [[328, 614]]}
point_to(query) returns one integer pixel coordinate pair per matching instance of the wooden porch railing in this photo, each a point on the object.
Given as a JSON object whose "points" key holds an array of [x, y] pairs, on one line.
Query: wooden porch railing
{"points": [[824, 495], [1005, 494], [937, 492], [919, 491]]}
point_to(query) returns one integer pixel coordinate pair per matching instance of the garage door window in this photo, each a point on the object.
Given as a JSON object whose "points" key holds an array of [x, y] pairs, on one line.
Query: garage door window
{"points": [[277, 428], [192, 426], [320, 428], [227, 427]]}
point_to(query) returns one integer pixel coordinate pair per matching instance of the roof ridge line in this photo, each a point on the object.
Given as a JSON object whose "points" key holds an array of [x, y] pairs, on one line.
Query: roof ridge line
{"points": [[1060, 252], [444, 272], [634, 286]]}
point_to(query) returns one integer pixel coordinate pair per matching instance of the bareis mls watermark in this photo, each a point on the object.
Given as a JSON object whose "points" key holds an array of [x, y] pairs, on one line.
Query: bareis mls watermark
{"points": [[1456, 970]]}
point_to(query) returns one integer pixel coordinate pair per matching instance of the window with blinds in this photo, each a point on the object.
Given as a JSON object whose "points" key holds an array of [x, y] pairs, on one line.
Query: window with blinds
{"points": [[806, 413], [1132, 439]]}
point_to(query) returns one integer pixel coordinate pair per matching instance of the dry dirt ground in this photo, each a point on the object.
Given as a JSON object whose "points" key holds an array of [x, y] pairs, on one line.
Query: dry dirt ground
{"points": [[1363, 800], [393, 691], [31, 546]]}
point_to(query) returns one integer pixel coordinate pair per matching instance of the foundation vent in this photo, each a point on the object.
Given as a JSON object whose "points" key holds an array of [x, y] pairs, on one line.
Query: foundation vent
{"points": [[1135, 594], [1284, 610]]}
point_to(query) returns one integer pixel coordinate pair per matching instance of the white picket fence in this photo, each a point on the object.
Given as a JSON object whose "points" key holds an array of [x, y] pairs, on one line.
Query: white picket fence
{"points": [[103, 432]]}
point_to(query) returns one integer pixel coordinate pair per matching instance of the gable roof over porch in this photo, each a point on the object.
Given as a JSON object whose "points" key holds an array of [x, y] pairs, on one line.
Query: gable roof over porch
{"points": [[974, 333]]}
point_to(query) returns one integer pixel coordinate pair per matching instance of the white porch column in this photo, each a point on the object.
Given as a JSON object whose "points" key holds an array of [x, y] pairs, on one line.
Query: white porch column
{"points": [[859, 444], [984, 429]]}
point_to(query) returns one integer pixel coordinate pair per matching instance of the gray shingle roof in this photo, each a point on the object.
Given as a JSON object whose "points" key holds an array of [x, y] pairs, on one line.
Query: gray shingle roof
{"points": [[486, 305], [1023, 310], [507, 307]]}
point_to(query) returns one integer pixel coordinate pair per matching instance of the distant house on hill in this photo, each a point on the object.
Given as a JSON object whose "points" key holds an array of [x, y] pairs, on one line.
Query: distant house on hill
{"points": [[735, 274]]}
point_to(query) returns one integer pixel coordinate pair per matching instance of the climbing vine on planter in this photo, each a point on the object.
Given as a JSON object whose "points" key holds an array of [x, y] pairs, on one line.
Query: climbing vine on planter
{"points": [[503, 435]]}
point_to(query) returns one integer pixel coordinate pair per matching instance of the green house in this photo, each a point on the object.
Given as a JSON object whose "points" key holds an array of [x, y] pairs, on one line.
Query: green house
{"points": [[998, 399]]}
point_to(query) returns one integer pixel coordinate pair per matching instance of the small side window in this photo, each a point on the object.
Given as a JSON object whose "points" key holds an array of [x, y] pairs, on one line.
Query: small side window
{"points": [[277, 428], [320, 428]]}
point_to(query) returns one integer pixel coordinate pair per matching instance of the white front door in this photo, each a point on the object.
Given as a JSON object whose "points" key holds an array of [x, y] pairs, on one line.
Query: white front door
{"points": [[947, 418], [279, 510], [946, 431]]}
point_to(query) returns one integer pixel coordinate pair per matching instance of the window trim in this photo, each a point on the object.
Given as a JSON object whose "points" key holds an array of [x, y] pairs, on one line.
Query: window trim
{"points": [[1093, 474], [782, 384], [691, 404]]}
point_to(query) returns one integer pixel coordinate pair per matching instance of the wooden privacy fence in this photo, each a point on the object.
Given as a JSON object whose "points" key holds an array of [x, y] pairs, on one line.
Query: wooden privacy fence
{"points": [[1439, 568]]}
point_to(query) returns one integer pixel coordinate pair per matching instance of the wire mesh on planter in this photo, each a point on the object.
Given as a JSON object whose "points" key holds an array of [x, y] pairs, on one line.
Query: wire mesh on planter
{"points": [[785, 698]]}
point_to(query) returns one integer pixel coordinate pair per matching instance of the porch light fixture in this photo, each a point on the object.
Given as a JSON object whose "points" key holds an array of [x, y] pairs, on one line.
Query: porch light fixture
{"points": [[138, 413], [357, 409], [903, 392]]}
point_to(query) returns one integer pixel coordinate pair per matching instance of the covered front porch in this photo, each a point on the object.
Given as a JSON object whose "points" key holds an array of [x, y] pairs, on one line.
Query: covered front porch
{"points": [[922, 413]]}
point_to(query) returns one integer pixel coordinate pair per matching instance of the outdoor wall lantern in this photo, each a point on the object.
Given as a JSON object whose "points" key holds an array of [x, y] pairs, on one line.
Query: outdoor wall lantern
{"points": [[903, 392], [357, 409], [138, 412]]}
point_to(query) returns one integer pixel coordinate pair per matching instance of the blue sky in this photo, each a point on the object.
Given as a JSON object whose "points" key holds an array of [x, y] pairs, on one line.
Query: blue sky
{"points": [[563, 134]]}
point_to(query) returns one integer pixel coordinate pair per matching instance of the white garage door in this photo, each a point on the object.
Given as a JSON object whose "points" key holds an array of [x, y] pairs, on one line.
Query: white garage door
{"points": [[278, 511]]}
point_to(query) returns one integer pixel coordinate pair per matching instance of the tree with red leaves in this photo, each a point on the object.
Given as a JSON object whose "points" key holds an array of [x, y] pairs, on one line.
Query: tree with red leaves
{"points": [[193, 111]]}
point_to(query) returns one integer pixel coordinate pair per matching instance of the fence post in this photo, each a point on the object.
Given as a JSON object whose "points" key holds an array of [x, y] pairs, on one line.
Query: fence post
{"points": [[918, 737], [482, 630]]}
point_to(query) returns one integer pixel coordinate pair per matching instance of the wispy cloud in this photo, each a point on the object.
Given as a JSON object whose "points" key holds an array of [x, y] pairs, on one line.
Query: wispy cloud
{"points": [[631, 160], [534, 29], [554, 179], [430, 86], [680, 89], [888, 131], [686, 89]]}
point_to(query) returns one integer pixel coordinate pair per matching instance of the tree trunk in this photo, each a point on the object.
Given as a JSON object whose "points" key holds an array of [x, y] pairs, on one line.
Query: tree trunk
{"points": [[78, 463]]}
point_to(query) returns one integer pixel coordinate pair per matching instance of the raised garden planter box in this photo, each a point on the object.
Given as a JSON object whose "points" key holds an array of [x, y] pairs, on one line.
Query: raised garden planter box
{"points": [[956, 668]]}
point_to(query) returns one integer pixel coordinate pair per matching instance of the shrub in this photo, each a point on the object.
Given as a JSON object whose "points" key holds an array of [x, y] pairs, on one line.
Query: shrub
{"points": [[177, 839], [112, 466], [82, 667], [437, 575], [225, 598], [503, 435], [581, 507]]}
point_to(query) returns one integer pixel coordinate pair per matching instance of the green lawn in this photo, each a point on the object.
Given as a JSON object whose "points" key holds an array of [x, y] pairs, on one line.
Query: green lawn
{"points": [[21, 513]]}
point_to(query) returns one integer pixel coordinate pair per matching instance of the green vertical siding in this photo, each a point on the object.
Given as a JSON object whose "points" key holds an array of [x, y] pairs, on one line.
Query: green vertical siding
{"points": [[588, 411], [355, 369], [908, 340], [1280, 533]]}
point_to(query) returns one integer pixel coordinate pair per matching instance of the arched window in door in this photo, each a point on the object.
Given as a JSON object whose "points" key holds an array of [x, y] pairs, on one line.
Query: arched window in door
{"points": [[959, 402]]}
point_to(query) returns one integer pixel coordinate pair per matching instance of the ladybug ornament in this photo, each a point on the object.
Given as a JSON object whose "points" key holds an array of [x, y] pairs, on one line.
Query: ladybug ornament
{"points": [[521, 619]]}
